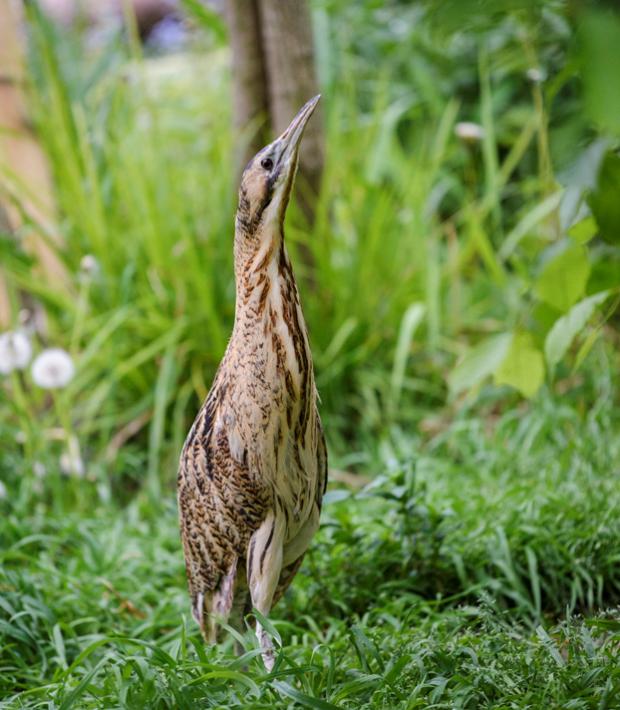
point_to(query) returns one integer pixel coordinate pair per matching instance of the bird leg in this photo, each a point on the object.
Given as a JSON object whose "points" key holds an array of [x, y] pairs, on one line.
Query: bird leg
{"points": [[211, 609], [264, 567]]}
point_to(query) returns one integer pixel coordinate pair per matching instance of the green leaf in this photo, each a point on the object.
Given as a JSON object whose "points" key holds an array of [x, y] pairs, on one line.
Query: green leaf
{"points": [[69, 700], [338, 341], [566, 328], [563, 279], [480, 362], [410, 321], [600, 67], [523, 367], [225, 674], [583, 230], [268, 626], [604, 201], [550, 645], [59, 645], [304, 700], [585, 348], [528, 222]]}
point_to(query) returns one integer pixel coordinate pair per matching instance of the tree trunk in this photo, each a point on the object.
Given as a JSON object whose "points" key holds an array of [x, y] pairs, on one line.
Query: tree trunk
{"points": [[21, 158], [286, 34], [250, 105], [273, 76]]}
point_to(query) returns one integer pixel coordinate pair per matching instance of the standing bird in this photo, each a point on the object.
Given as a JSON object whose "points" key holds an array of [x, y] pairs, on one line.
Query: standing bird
{"points": [[253, 469]]}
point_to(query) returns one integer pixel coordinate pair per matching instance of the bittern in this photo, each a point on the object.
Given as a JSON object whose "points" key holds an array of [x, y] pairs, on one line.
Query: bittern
{"points": [[253, 469]]}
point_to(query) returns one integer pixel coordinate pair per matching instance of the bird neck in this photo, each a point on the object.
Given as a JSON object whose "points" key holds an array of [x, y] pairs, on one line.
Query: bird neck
{"points": [[270, 333], [257, 257], [265, 284]]}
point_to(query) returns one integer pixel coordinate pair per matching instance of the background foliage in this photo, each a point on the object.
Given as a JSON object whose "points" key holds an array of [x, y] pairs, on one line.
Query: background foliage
{"points": [[464, 327]]}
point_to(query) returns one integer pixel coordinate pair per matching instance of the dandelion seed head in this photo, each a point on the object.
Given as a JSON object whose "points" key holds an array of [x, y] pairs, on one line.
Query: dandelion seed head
{"points": [[53, 369], [469, 132], [15, 351]]}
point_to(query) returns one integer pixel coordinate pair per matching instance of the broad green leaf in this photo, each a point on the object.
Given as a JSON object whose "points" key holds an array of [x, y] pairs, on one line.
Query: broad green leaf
{"points": [[563, 279], [600, 68], [583, 230], [523, 367], [566, 328], [604, 200], [527, 223], [605, 274], [480, 362]]}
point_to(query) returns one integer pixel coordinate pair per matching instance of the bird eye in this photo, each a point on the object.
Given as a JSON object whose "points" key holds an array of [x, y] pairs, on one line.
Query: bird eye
{"points": [[266, 163]]}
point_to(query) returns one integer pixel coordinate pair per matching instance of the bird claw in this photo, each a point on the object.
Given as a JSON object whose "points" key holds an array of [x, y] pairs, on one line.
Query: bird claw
{"points": [[269, 660], [267, 650]]}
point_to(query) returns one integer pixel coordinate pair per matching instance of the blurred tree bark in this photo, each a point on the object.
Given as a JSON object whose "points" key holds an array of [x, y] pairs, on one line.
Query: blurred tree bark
{"points": [[288, 51], [23, 167], [250, 97], [273, 76]]}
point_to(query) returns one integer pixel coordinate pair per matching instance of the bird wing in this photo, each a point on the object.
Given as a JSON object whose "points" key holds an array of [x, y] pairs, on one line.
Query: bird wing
{"points": [[220, 506], [321, 462], [299, 545]]}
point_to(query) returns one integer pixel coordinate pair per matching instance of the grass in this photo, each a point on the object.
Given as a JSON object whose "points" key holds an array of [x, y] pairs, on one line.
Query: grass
{"points": [[480, 572], [478, 564]]}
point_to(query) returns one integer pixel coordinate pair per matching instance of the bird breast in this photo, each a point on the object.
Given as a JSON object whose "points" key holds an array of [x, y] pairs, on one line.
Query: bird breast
{"points": [[269, 412]]}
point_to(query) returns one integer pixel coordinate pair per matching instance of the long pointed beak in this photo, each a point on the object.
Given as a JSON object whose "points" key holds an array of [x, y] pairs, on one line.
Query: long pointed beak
{"points": [[290, 139]]}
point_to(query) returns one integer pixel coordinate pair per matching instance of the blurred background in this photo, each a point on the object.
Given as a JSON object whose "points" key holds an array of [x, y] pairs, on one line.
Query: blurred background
{"points": [[455, 232], [456, 222]]}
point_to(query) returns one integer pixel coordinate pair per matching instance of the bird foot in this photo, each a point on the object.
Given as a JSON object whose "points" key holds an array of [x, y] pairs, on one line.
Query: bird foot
{"points": [[267, 650]]}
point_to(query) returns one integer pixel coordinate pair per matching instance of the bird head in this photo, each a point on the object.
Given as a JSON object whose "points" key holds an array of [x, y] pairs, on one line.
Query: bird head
{"points": [[268, 178]]}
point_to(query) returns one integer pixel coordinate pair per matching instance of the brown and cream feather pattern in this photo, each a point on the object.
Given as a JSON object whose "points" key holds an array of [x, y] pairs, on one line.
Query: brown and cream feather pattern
{"points": [[253, 469]]}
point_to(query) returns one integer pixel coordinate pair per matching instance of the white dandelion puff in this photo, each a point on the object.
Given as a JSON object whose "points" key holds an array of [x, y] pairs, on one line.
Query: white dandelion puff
{"points": [[15, 351], [3, 491], [53, 369], [469, 132]]}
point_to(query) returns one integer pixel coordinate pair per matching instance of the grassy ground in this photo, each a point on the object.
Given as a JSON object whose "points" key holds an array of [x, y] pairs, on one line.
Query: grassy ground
{"points": [[479, 571]]}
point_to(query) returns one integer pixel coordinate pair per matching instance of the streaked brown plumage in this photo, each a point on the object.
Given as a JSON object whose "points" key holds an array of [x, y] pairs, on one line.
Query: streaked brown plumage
{"points": [[254, 466]]}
